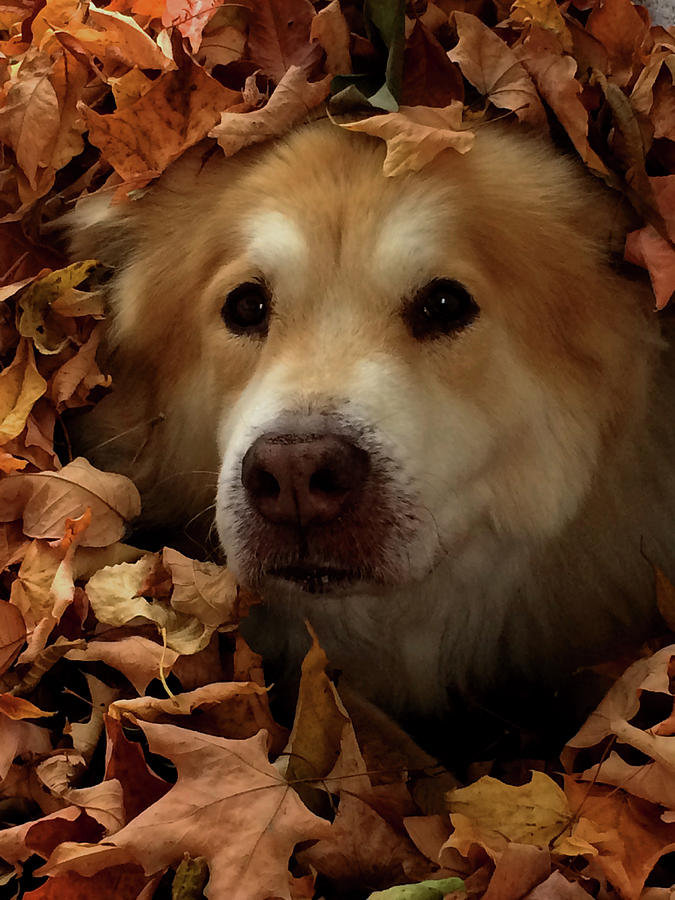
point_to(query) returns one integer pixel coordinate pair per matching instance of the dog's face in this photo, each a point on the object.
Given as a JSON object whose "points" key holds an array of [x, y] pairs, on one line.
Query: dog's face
{"points": [[383, 368]]}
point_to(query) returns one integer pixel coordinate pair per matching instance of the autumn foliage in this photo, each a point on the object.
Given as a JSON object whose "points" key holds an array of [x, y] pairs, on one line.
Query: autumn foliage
{"points": [[138, 754]]}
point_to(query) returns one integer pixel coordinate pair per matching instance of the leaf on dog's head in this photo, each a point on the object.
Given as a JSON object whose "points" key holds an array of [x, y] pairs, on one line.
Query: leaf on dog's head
{"points": [[493, 68], [224, 787], [416, 135], [292, 99], [141, 140], [116, 595], [46, 500], [20, 386]]}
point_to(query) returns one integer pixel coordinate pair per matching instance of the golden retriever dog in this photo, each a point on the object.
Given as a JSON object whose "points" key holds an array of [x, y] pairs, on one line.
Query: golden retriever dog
{"points": [[439, 420]]}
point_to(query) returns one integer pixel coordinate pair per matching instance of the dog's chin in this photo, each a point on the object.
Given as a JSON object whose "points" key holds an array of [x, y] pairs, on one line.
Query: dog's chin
{"points": [[314, 579]]}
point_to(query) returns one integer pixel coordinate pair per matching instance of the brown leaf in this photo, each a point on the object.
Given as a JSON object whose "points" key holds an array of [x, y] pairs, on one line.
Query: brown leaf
{"points": [[621, 30], [224, 787], [70, 385], [557, 887], [20, 386], [363, 851], [12, 634], [18, 708], [103, 802], [293, 98], [430, 78], [415, 135], [493, 68], [279, 36], [22, 739], [137, 658], [543, 14], [331, 31], [647, 248], [634, 837], [519, 868], [30, 118], [45, 500], [553, 73], [141, 140], [125, 762], [116, 883]]}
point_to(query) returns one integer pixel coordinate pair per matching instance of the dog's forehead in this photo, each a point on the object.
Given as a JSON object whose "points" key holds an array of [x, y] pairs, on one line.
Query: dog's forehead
{"points": [[400, 240]]}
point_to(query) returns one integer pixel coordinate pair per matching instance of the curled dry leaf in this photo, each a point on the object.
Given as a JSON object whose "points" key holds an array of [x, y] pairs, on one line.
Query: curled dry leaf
{"points": [[494, 69], [649, 249], [330, 29], [223, 787], [45, 500], [290, 103], [85, 735], [116, 597], [205, 590], [417, 134], [103, 802], [137, 658]]}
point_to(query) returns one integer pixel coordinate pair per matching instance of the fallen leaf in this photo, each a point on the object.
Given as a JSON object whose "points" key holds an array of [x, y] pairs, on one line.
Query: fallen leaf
{"points": [[125, 762], [85, 735], [293, 98], [204, 590], [18, 708], [543, 14], [140, 140], [330, 30], [621, 30], [279, 36], [45, 500], [647, 248], [431, 79], [223, 787], [416, 135], [21, 739], [115, 594], [492, 814], [12, 634], [137, 658], [190, 17], [493, 68], [635, 839], [103, 802], [116, 883], [20, 386]]}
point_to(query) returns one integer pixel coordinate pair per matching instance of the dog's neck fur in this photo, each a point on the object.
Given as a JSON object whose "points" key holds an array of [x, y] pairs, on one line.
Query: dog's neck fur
{"points": [[410, 650]]}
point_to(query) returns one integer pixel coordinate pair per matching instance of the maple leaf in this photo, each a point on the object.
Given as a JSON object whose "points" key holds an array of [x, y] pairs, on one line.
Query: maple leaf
{"points": [[430, 78], [494, 69], [293, 98], [621, 30], [223, 787], [415, 135], [124, 761], [140, 140], [205, 590]]}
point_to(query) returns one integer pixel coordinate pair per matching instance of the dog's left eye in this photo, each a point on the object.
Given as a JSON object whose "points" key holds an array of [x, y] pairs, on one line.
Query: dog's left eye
{"points": [[441, 307], [246, 309]]}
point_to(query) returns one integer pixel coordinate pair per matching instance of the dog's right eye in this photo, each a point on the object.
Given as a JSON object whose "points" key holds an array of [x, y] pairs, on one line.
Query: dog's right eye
{"points": [[246, 309]]}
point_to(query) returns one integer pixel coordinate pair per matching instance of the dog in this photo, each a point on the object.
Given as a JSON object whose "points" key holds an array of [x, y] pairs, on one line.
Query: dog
{"points": [[439, 419]]}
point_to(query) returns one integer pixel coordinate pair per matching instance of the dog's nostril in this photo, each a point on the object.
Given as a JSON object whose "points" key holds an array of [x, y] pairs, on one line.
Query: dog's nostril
{"points": [[327, 481], [264, 484]]}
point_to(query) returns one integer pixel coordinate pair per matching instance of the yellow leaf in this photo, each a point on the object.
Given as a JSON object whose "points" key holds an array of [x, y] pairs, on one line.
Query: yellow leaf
{"points": [[20, 386], [492, 814], [546, 14]]}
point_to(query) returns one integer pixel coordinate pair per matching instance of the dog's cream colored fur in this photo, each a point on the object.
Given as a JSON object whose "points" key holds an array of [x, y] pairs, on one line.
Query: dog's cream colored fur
{"points": [[531, 453]]}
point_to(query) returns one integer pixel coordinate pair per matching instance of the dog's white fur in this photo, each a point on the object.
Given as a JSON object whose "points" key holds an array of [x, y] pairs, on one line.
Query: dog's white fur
{"points": [[525, 463]]}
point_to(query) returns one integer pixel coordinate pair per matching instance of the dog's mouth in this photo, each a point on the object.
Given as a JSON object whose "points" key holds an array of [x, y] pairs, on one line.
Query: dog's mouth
{"points": [[315, 579]]}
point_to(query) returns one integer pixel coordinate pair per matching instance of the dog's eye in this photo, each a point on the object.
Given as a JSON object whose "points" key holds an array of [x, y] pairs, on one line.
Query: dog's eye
{"points": [[440, 308], [246, 309]]}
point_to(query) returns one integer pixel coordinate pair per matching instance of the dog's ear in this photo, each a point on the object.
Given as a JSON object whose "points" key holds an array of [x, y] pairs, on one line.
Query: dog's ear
{"points": [[97, 229]]}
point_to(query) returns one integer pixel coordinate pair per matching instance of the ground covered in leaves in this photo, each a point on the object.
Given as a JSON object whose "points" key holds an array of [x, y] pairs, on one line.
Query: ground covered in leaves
{"points": [[138, 754]]}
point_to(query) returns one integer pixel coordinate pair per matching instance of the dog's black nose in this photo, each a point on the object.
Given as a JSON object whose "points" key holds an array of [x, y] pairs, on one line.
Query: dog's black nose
{"points": [[303, 479]]}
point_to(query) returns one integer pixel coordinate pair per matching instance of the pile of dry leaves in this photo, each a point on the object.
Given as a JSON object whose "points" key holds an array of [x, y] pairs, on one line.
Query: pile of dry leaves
{"points": [[138, 756]]}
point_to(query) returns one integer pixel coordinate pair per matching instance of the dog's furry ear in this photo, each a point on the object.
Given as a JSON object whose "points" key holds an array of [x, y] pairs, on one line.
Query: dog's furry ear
{"points": [[96, 229]]}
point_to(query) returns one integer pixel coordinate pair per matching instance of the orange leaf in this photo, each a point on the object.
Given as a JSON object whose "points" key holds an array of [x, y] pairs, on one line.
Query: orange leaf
{"points": [[18, 708], [647, 248]]}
